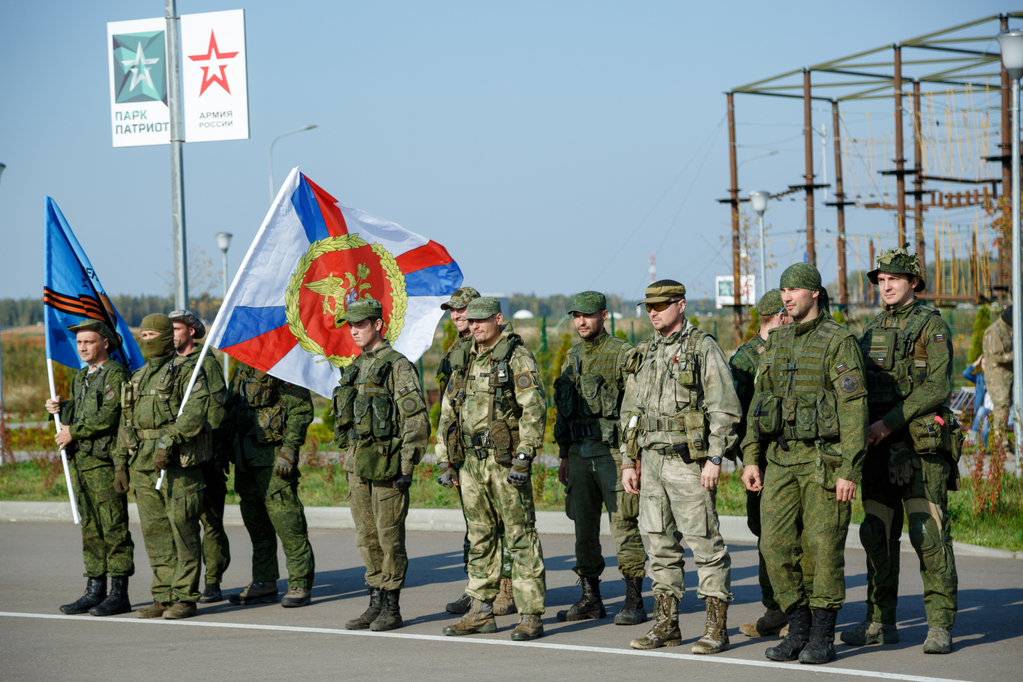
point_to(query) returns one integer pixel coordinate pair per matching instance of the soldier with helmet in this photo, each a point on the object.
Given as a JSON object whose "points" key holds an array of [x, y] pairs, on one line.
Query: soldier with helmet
{"points": [[907, 350]]}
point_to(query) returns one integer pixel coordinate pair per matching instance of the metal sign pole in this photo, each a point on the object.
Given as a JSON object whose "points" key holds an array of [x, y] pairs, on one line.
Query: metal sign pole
{"points": [[177, 169]]}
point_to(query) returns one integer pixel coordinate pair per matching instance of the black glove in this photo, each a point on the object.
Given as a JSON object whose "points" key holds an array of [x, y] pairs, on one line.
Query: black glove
{"points": [[402, 481], [449, 477], [522, 468], [121, 480], [901, 463], [161, 460], [285, 462]]}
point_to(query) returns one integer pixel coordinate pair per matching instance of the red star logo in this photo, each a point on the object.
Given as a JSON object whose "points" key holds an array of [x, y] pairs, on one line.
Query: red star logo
{"points": [[207, 79]]}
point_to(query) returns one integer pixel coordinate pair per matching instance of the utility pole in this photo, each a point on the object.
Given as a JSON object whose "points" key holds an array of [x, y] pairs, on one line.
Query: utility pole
{"points": [[900, 161], [918, 179], [177, 162], [734, 200], [840, 203], [811, 243]]}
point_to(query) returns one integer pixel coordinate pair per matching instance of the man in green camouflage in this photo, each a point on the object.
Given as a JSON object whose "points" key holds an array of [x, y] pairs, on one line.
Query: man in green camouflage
{"points": [[153, 439], [498, 411], [679, 417], [907, 350], [270, 418], [216, 549], [809, 414], [997, 344], [90, 418], [588, 395], [381, 425]]}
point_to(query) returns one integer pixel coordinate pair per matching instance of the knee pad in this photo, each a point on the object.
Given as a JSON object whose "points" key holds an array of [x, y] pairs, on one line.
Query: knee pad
{"points": [[872, 535], [924, 533]]}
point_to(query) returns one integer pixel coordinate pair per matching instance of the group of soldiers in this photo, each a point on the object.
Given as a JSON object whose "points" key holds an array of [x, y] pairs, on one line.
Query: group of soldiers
{"points": [[812, 412]]}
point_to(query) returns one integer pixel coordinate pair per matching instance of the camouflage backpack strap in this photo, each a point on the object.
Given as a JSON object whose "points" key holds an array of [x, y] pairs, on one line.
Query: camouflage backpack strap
{"points": [[915, 324]]}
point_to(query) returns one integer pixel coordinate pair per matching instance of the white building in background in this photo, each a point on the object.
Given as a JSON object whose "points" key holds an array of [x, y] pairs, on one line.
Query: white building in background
{"points": [[523, 315]]}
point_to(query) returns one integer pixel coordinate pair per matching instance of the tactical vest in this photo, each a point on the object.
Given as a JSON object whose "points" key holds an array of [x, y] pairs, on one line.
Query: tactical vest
{"points": [[365, 417], [453, 365], [588, 404], [893, 358], [266, 415], [89, 398]]}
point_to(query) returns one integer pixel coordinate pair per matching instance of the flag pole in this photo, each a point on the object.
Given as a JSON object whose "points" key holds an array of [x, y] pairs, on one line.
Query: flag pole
{"points": [[63, 452]]}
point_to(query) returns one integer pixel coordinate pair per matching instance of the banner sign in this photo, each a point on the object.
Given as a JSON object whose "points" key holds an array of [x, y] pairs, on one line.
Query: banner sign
{"points": [[136, 57], [213, 76], [726, 291]]}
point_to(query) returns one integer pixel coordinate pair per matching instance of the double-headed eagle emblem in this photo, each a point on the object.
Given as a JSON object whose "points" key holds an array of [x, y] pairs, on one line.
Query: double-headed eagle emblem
{"points": [[343, 290]]}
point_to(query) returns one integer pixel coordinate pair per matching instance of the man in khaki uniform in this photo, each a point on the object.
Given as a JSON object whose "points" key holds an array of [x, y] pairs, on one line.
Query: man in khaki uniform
{"points": [[997, 346]]}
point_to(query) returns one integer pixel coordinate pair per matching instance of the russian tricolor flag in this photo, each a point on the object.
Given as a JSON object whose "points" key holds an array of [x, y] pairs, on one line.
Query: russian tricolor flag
{"points": [[284, 312]]}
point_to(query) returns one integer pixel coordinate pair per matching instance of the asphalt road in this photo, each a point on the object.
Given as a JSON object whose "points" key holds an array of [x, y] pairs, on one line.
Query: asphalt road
{"points": [[40, 568]]}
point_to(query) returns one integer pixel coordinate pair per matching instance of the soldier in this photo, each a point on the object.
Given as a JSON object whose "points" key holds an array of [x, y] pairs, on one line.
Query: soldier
{"points": [[588, 395], [270, 418], [215, 547], [381, 424], [907, 350], [497, 406], [810, 414], [153, 439], [90, 420], [679, 418], [997, 346]]}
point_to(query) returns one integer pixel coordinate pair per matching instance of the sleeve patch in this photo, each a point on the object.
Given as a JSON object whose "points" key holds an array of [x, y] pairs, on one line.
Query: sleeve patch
{"points": [[404, 390], [523, 381], [849, 383], [109, 395], [198, 386], [939, 337], [411, 404]]}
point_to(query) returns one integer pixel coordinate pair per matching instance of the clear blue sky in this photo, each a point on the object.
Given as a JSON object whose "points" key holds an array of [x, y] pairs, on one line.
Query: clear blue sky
{"points": [[530, 138]]}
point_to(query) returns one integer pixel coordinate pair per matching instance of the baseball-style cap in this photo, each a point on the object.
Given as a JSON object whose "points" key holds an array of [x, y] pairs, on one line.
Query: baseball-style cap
{"points": [[482, 308], [363, 309], [101, 329], [664, 290], [588, 302], [460, 299], [770, 303]]}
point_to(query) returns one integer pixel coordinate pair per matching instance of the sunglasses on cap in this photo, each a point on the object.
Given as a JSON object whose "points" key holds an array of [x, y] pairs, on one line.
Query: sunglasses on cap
{"points": [[659, 307]]}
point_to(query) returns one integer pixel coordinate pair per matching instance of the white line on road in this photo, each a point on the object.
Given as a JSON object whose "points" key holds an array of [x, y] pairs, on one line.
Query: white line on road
{"points": [[470, 640]]}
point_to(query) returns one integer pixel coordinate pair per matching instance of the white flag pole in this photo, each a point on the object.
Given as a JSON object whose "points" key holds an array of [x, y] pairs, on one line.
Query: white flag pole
{"points": [[63, 453]]}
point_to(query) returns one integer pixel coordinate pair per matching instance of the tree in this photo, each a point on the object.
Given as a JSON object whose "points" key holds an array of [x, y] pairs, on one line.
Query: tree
{"points": [[980, 325]]}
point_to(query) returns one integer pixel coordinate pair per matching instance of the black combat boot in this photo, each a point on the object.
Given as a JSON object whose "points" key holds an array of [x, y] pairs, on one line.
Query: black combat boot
{"points": [[799, 635], [95, 593], [633, 609], [389, 617], [821, 647], [376, 604], [589, 606], [117, 601]]}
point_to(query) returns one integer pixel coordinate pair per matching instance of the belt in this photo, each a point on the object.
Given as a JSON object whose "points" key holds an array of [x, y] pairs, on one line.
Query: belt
{"points": [[580, 431], [477, 445], [669, 424], [148, 434]]}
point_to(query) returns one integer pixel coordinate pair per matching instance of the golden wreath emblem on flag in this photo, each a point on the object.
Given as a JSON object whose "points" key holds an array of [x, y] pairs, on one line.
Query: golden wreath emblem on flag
{"points": [[332, 274]]}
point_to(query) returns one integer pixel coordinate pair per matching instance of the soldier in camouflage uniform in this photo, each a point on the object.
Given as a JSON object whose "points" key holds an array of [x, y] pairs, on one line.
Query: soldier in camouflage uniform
{"points": [[90, 418], [997, 344], [498, 411], [381, 424], [216, 549], [154, 439], [588, 395], [907, 351], [269, 418], [679, 417], [809, 413]]}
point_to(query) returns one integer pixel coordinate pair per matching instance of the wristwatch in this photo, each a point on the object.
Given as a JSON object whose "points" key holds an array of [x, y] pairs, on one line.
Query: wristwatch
{"points": [[715, 460], [523, 457]]}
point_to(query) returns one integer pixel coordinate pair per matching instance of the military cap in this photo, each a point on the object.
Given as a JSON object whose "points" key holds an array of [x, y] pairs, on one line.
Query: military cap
{"points": [[664, 290], [588, 302], [483, 307], [101, 329], [770, 303], [899, 262], [157, 322], [460, 299], [363, 309], [187, 318]]}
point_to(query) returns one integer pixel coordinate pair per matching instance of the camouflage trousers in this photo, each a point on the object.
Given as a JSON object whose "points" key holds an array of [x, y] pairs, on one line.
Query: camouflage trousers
{"points": [[801, 518], [489, 500], [107, 546], [506, 560], [379, 512], [595, 483], [925, 500], [673, 506], [216, 551], [170, 528], [270, 509], [806, 563]]}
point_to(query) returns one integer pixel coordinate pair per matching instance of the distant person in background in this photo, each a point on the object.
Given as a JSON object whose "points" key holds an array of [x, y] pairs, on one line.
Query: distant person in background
{"points": [[974, 373], [998, 368]]}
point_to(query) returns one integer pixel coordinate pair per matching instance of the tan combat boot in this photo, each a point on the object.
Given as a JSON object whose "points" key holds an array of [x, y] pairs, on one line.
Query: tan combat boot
{"points": [[256, 593], [869, 632], [715, 634], [939, 641], [180, 610], [768, 624], [479, 619], [530, 627], [154, 610], [504, 602], [296, 597], [665, 631]]}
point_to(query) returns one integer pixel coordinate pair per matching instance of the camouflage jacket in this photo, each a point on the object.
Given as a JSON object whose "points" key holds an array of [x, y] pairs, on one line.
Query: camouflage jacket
{"points": [[93, 413], [998, 362], [281, 417], [464, 344], [745, 363]]}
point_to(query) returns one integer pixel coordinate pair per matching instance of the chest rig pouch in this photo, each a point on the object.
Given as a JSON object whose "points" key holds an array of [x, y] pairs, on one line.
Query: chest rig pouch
{"points": [[502, 436], [342, 405], [893, 355], [458, 361], [374, 431], [267, 415], [687, 373]]}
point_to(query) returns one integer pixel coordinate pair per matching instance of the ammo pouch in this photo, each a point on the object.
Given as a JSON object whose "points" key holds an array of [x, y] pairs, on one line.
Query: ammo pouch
{"points": [[377, 460], [609, 432], [256, 393], [126, 437], [955, 435], [805, 413], [199, 450], [342, 406], [565, 397], [879, 346], [827, 415], [455, 445], [590, 386], [927, 436], [502, 442], [372, 414], [695, 424], [768, 415], [269, 426]]}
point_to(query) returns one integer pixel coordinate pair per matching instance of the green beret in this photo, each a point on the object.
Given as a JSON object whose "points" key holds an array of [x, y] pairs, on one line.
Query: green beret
{"points": [[899, 262], [482, 308], [157, 322], [588, 302], [189, 319], [664, 290], [770, 303], [101, 329], [460, 299], [363, 309]]}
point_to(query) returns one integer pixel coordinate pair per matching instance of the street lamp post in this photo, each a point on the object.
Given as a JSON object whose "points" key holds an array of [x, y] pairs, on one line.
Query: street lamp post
{"points": [[758, 200], [224, 241], [1011, 43], [272, 194], [2, 409]]}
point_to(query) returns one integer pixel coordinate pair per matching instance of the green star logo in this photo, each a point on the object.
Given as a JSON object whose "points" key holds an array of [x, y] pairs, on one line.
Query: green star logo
{"points": [[139, 73]]}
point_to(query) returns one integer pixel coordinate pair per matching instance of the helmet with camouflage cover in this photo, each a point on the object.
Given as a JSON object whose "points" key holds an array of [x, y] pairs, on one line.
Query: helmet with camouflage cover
{"points": [[899, 262]]}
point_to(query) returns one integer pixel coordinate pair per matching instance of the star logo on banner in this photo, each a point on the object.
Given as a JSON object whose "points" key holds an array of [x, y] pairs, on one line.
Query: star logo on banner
{"points": [[139, 68], [214, 56]]}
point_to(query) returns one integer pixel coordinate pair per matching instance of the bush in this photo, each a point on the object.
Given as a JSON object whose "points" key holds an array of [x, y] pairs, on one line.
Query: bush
{"points": [[980, 325]]}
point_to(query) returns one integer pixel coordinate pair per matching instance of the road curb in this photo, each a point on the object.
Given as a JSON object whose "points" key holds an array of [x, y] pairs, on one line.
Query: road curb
{"points": [[733, 528]]}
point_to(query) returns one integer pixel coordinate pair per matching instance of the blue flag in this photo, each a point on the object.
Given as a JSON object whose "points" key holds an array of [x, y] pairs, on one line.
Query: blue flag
{"points": [[72, 293]]}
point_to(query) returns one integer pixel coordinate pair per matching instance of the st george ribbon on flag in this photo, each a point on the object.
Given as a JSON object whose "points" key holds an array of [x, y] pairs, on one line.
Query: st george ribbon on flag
{"points": [[285, 311]]}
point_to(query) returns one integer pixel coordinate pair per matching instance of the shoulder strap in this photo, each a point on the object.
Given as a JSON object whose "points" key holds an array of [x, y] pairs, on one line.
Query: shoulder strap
{"points": [[918, 318], [505, 347]]}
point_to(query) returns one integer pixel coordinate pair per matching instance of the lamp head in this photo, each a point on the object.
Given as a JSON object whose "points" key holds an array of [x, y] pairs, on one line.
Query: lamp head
{"points": [[758, 200], [1011, 43], [224, 240]]}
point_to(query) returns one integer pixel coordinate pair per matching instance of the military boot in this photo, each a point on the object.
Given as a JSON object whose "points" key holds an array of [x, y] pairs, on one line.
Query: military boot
{"points": [[821, 647], [768, 624], [589, 606], [665, 631], [715, 633], [211, 594], [478, 619], [390, 613], [180, 610], [460, 605], [530, 627], [256, 593], [117, 601], [296, 597], [869, 632], [154, 610], [504, 602], [796, 639], [633, 609], [939, 641], [95, 592], [376, 604]]}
